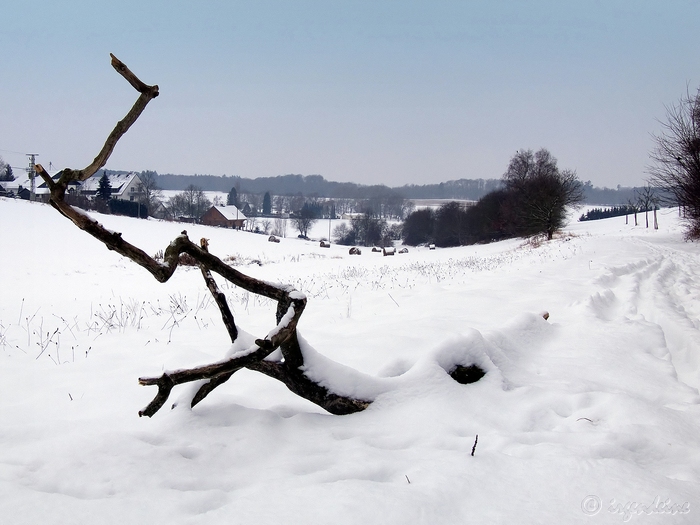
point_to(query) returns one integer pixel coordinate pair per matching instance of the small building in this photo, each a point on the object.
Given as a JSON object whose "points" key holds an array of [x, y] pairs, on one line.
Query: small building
{"points": [[349, 216], [21, 187], [224, 216], [26, 194]]}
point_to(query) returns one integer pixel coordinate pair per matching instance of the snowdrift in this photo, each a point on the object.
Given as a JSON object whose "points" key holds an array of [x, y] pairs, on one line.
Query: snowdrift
{"points": [[591, 415]]}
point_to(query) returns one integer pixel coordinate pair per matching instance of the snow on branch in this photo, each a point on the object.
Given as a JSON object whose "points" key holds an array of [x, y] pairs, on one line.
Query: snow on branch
{"points": [[290, 302]]}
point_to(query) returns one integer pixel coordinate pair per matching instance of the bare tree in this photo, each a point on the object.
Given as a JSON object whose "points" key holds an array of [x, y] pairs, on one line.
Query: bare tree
{"points": [[295, 203], [266, 226], [254, 201], [675, 168], [304, 220], [541, 192], [190, 203], [646, 201], [5, 171], [340, 234], [150, 194], [280, 228], [279, 202], [634, 207]]}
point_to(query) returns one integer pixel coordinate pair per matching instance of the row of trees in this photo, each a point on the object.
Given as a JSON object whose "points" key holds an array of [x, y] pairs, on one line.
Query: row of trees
{"points": [[595, 214], [368, 227], [367, 230], [191, 203], [533, 200], [389, 206]]}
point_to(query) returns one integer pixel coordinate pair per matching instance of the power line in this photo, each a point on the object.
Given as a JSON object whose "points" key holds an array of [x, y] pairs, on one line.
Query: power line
{"points": [[10, 151]]}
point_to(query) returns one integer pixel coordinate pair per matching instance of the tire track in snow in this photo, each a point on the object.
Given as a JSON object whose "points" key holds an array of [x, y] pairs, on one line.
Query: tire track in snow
{"points": [[670, 297], [664, 290]]}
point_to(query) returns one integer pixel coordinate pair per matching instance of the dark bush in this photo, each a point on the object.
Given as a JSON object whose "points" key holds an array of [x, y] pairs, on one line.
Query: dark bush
{"points": [[129, 208], [418, 227]]}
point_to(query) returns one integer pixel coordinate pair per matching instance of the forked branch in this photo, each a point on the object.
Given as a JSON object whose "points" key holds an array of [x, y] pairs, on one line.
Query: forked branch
{"points": [[290, 303]]}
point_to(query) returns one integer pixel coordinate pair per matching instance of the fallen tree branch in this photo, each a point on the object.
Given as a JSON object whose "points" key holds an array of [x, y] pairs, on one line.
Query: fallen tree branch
{"points": [[290, 303], [300, 384]]}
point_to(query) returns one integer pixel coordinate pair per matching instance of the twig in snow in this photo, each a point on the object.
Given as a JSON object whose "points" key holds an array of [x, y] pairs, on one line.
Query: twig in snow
{"points": [[397, 304], [475, 442]]}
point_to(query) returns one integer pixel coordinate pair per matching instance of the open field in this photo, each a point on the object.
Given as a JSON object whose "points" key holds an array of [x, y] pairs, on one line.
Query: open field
{"points": [[592, 416]]}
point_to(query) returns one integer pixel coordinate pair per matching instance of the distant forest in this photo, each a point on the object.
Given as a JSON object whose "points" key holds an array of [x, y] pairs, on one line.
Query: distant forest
{"points": [[317, 186]]}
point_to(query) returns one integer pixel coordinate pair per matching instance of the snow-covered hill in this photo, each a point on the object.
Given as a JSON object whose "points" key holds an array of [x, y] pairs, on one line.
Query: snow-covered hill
{"points": [[592, 416]]}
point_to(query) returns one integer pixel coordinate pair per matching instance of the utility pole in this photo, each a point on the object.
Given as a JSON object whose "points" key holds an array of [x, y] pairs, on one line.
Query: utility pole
{"points": [[32, 175]]}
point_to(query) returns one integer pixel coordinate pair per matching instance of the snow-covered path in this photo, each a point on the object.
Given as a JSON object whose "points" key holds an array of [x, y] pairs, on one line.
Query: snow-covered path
{"points": [[665, 291]]}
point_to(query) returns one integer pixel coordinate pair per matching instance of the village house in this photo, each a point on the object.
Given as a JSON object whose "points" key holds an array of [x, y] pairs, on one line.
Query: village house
{"points": [[224, 216], [125, 186], [21, 187], [349, 216]]}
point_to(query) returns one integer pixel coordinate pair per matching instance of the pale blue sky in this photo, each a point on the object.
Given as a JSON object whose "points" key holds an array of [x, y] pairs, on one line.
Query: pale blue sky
{"points": [[391, 92]]}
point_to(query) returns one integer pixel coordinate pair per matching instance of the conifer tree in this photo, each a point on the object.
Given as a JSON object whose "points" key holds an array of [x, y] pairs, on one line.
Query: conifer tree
{"points": [[267, 204], [232, 199], [104, 190]]}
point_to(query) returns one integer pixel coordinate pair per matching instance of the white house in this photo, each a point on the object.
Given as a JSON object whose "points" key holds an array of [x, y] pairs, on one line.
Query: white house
{"points": [[125, 186]]}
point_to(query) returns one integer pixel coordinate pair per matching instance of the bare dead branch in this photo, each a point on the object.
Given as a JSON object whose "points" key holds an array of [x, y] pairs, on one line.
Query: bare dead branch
{"points": [[219, 297], [290, 303], [300, 384], [168, 380], [147, 93], [229, 323], [210, 385], [139, 86]]}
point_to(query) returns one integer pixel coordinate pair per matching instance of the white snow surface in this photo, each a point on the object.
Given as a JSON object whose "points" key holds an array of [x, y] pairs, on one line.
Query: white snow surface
{"points": [[591, 416]]}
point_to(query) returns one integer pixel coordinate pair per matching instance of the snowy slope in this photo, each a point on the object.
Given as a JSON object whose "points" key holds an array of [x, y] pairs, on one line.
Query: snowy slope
{"points": [[590, 417]]}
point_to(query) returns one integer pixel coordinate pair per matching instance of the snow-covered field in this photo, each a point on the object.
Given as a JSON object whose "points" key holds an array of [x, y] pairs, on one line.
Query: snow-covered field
{"points": [[592, 416]]}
